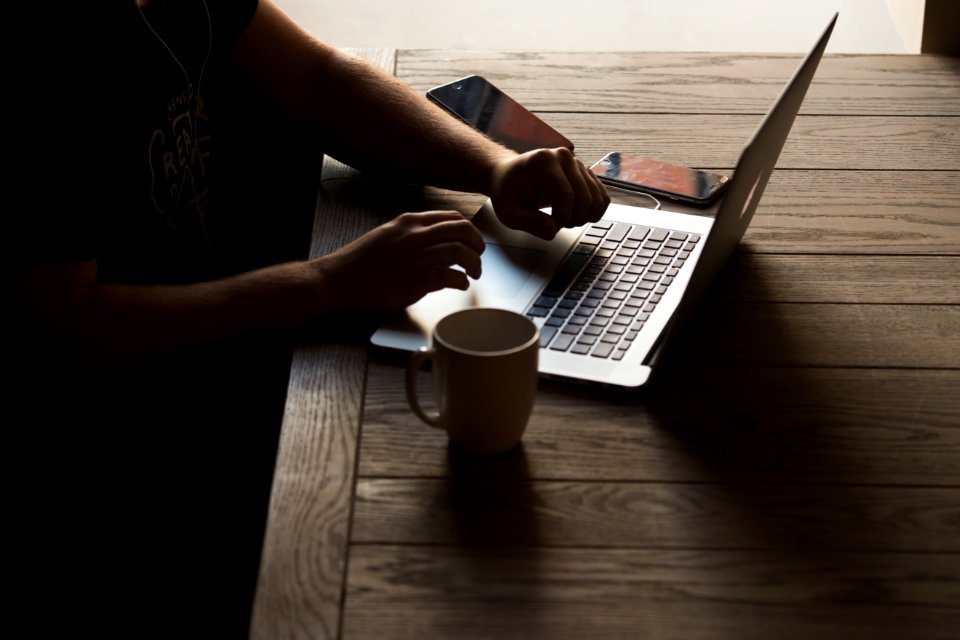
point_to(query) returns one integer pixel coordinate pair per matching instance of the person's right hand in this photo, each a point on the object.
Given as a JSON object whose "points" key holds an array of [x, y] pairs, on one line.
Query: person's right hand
{"points": [[526, 183], [401, 261]]}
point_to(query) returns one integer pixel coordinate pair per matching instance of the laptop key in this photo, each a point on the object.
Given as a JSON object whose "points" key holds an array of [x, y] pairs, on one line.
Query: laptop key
{"points": [[546, 335], [580, 349], [659, 235], [603, 350], [562, 342], [618, 232], [565, 274]]}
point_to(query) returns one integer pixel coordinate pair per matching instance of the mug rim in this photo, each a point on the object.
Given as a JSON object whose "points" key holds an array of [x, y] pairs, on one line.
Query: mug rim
{"points": [[535, 338]]}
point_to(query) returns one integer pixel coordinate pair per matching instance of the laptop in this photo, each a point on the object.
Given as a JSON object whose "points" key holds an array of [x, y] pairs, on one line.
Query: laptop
{"points": [[608, 296]]}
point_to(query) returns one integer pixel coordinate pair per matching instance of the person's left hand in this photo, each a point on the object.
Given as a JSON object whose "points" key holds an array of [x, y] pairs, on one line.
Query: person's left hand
{"points": [[554, 178]]}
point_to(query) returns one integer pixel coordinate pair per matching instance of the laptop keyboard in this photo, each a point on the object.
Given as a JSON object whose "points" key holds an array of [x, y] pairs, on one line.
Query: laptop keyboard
{"points": [[598, 301]]}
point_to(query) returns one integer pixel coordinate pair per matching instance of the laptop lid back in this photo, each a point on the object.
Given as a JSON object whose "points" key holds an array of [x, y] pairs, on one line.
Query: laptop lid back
{"points": [[753, 170]]}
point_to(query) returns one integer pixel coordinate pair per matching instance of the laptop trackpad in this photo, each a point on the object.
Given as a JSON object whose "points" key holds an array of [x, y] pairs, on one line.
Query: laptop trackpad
{"points": [[507, 269]]}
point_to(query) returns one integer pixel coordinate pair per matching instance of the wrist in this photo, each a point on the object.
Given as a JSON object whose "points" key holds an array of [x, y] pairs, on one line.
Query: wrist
{"points": [[497, 167], [321, 293]]}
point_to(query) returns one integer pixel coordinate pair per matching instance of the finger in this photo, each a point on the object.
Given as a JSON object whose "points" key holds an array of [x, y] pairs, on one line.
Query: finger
{"points": [[427, 218], [429, 282], [599, 198], [530, 220], [461, 231], [447, 255], [582, 199], [437, 279], [555, 186]]}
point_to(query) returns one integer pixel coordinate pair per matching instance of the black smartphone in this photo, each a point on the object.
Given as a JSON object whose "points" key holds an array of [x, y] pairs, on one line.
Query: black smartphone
{"points": [[675, 182], [486, 108]]}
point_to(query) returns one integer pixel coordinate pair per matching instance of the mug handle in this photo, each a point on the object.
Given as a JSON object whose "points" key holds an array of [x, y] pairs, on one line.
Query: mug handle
{"points": [[413, 371]]}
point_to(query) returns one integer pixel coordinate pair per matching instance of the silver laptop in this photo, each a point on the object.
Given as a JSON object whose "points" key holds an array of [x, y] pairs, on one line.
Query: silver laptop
{"points": [[608, 296]]}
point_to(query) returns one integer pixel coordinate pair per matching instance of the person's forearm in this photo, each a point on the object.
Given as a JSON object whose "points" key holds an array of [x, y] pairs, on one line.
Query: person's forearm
{"points": [[364, 116], [384, 126], [113, 323]]}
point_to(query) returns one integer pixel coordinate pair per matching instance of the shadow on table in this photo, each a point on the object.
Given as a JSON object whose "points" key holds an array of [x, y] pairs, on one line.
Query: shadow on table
{"points": [[753, 449], [494, 521], [737, 404]]}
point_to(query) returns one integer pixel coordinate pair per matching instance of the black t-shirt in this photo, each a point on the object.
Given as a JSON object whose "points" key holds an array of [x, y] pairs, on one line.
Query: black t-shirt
{"points": [[119, 138], [153, 479]]}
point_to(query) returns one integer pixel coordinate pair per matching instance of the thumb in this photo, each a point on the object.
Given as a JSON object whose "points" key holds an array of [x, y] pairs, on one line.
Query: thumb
{"points": [[526, 218]]}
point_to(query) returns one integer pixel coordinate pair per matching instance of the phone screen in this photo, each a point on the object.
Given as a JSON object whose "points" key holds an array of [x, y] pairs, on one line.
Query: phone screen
{"points": [[660, 177], [488, 109]]}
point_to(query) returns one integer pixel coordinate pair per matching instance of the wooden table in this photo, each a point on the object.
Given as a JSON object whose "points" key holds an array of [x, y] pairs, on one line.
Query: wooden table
{"points": [[794, 473]]}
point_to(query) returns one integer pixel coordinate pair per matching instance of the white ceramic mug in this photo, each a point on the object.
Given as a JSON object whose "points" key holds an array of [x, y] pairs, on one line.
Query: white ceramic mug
{"points": [[485, 377]]}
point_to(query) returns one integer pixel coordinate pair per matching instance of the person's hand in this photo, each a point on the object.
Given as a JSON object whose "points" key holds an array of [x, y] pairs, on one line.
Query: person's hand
{"points": [[401, 261], [524, 184]]}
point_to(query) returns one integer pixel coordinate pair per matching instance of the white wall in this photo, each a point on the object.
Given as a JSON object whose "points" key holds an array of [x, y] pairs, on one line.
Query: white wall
{"points": [[865, 26]]}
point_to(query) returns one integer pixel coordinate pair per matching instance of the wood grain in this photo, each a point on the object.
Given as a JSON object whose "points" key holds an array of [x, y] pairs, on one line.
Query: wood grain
{"points": [[430, 592], [655, 82], [868, 279], [737, 425], [300, 587], [858, 212], [869, 143], [480, 511], [824, 335]]}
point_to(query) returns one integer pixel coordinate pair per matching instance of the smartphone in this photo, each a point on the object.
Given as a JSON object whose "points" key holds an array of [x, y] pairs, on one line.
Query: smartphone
{"points": [[658, 178], [486, 108]]}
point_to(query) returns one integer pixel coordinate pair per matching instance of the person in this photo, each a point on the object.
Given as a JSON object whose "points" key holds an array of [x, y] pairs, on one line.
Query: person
{"points": [[169, 154]]}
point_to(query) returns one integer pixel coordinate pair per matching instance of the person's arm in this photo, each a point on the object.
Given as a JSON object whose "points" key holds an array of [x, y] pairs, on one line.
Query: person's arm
{"points": [[91, 324], [373, 121]]}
